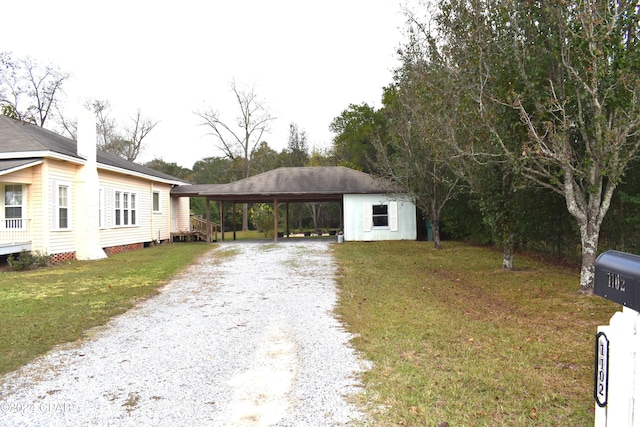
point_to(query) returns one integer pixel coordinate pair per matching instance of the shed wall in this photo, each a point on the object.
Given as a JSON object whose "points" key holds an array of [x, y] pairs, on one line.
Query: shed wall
{"points": [[358, 213]]}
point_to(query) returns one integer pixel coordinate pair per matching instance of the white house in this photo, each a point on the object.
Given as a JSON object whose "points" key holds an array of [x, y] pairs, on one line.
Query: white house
{"points": [[70, 201]]}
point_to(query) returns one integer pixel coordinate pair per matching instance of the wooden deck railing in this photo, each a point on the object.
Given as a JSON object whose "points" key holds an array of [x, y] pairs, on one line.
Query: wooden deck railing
{"points": [[14, 231], [199, 227]]}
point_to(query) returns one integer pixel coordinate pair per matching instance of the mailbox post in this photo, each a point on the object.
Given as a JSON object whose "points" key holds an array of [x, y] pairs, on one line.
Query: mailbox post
{"points": [[617, 350]]}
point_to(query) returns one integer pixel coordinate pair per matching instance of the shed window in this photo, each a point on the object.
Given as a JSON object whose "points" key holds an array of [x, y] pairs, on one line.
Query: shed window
{"points": [[380, 215]]}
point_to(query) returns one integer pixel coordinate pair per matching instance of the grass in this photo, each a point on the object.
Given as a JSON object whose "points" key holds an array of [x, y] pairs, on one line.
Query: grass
{"points": [[48, 306], [454, 339]]}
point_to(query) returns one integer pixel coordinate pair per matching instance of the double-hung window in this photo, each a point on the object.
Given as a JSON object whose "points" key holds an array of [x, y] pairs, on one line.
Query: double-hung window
{"points": [[61, 206], [125, 204], [13, 206], [380, 215]]}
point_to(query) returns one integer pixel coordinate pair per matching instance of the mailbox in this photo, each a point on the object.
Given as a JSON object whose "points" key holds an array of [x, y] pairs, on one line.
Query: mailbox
{"points": [[616, 277]]}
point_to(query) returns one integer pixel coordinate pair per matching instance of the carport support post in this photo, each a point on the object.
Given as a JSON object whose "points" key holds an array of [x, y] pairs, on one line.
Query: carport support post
{"points": [[222, 220], [275, 220], [207, 210], [234, 221], [287, 230]]}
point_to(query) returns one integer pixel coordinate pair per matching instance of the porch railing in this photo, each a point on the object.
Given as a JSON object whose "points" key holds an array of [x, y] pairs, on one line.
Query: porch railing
{"points": [[199, 227], [14, 230]]}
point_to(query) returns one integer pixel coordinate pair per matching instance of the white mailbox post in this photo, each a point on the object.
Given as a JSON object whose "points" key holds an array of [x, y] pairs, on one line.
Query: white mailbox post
{"points": [[617, 348]]}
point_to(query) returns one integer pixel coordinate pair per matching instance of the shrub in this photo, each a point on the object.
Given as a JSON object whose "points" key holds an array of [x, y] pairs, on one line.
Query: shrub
{"points": [[27, 260]]}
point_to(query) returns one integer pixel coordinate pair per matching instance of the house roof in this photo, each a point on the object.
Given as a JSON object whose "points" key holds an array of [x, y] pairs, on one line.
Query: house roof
{"points": [[297, 183], [8, 166], [20, 141]]}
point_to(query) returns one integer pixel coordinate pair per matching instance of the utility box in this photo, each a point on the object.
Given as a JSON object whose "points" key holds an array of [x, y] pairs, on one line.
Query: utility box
{"points": [[616, 277]]}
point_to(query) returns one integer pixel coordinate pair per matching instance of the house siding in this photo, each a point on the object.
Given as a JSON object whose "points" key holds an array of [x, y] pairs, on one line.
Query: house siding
{"points": [[150, 225], [38, 209], [60, 241], [357, 218]]}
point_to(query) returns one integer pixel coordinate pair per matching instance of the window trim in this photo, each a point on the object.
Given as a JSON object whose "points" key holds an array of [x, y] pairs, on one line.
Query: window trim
{"points": [[381, 218], [102, 208], [125, 209], [392, 216], [56, 207], [17, 223], [156, 208]]}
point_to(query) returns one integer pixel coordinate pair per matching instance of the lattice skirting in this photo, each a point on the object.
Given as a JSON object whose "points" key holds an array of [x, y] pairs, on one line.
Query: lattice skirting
{"points": [[123, 248], [63, 257]]}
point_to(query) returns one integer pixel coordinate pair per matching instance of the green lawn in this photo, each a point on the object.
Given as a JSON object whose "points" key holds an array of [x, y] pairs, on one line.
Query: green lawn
{"points": [[44, 307], [455, 339]]}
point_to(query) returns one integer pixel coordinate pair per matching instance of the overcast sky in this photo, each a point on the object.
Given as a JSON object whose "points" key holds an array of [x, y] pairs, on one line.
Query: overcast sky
{"points": [[307, 60]]}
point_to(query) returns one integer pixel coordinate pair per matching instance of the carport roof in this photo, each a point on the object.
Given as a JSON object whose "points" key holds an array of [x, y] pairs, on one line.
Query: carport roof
{"points": [[287, 184]]}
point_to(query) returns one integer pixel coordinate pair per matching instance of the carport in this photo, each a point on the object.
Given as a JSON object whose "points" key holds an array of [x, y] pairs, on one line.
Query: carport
{"points": [[285, 185]]}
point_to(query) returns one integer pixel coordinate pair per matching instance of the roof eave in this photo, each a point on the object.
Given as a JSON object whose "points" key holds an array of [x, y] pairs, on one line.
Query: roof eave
{"points": [[140, 174], [24, 166], [44, 153]]}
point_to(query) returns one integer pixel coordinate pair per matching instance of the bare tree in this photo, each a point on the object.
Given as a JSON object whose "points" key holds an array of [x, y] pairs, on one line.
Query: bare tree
{"points": [[30, 91], [131, 146], [239, 139], [126, 143]]}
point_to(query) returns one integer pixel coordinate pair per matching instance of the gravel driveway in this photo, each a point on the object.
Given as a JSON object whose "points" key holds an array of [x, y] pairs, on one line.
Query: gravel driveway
{"points": [[248, 341]]}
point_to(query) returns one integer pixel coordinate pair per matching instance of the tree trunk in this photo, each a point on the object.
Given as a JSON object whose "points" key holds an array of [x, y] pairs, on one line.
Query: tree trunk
{"points": [[589, 210], [589, 236], [245, 217], [435, 227], [507, 252], [314, 214]]}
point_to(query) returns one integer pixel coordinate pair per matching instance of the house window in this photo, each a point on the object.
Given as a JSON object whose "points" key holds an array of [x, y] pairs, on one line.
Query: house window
{"points": [[13, 206], [117, 207], [133, 209], [63, 207], [156, 201], [380, 216], [125, 208]]}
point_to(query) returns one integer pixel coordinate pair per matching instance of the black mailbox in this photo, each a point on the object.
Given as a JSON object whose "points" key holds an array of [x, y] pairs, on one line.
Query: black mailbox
{"points": [[616, 277]]}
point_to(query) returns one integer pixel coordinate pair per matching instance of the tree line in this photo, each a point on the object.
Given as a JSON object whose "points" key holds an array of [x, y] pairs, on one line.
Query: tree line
{"points": [[517, 108]]}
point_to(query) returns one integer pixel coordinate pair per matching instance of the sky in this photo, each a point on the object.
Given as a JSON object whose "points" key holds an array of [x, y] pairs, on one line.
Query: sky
{"points": [[306, 61]]}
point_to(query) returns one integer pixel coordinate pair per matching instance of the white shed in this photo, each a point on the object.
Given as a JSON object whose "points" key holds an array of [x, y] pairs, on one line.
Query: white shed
{"points": [[370, 217]]}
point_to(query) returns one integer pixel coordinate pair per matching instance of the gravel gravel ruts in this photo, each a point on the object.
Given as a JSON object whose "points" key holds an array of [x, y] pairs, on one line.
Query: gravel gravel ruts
{"points": [[248, 341]]}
